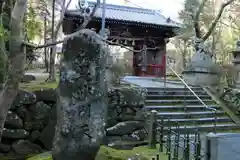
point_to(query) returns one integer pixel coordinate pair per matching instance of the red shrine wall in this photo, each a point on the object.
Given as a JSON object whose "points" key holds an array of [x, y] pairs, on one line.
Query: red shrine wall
{"points": [[153, 64]]}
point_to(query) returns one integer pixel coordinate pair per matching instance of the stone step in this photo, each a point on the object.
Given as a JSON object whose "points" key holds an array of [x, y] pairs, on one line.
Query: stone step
{"points": [[202, 128], [177, 101], [180, 115], [166, 97], [176, 92], [173, 89], [180, 108], [195, 121], [168, 102]]}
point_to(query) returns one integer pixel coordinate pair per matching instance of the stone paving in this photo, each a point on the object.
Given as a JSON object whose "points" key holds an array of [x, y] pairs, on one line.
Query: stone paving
{"points": [[151, 82]]}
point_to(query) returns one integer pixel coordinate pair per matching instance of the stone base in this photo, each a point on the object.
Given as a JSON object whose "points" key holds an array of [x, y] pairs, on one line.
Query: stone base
{"points": [[222, 146], [237, 84], [201, 79]]}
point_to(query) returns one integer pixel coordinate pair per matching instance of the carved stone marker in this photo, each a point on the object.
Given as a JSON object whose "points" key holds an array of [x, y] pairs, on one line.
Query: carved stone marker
{"points": [[223, 146], [82, 104]]}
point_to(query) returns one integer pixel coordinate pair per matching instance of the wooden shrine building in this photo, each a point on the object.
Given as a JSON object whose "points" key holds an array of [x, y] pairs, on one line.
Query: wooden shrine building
{"points": [[142, 29]]}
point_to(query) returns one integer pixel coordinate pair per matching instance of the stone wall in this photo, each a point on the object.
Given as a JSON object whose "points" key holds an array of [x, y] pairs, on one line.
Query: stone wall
{"points": [[31, 121], [30, 124], [126, 120]]}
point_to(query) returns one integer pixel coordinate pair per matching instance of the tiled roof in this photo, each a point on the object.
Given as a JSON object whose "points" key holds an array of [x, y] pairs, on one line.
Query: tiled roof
{"points": [[129, 14]]}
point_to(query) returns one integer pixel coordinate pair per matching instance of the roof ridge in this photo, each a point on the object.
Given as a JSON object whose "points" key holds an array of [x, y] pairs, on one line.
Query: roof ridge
{"points": [[133, 9], [123, 7], [127, 13]]}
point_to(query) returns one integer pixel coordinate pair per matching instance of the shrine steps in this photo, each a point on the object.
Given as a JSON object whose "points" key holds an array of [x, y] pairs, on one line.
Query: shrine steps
{"points": [[179, 107], [201, 128], [177, 97]]}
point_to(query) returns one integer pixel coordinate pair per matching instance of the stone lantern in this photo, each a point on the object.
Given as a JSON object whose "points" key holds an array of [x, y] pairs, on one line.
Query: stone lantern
{"points": [[236, 62], [201, 70]]}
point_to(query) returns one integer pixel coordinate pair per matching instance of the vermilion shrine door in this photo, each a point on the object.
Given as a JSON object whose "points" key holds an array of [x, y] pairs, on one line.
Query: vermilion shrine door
{"points": [[150, 64]]}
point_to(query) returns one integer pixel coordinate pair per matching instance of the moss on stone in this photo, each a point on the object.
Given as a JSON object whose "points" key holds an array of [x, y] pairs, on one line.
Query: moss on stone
{"points": [[3, 63], [38, 85], [143, 153], [106, 153]]}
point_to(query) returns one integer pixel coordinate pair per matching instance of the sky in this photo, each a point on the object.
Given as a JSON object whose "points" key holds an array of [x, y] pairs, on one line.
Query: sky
{"points": [[169, 8]]}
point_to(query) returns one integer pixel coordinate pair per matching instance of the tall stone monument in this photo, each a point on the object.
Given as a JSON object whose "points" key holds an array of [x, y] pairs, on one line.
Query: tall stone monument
{"points": [[82, 105], [236, 62]]}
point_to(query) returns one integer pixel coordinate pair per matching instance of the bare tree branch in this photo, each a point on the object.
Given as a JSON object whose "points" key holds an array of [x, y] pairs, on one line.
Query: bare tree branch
{"points": [[28, 64], [85, 23], [196, 19], [214, 23], [64, 8], [230, 26]]}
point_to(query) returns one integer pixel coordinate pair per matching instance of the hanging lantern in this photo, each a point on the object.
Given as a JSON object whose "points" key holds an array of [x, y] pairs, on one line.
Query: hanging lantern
{"points": [[125, 42], [133, 43], [117, 41]]}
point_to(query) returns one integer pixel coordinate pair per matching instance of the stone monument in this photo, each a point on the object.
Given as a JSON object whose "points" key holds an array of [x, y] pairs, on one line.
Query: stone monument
{"points": [[82, 104], [236, 62], [201, 70]]}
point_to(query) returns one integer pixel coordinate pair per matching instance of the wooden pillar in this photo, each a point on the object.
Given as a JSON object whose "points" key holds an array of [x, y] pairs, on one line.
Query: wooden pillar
{"points": [[161, 59], [137, 59], [155, 63]]}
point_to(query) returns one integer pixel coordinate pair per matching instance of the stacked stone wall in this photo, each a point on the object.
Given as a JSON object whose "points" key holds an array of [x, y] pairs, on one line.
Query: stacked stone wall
{"points": [[30, 124]]}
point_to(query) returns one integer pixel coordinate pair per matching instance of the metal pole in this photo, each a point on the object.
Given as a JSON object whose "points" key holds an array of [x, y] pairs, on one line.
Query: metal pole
{"points": [[103, 17]]}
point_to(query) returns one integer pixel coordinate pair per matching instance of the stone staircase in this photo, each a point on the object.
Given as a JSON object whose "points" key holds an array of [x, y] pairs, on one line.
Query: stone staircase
{"points": [[178, 106]]}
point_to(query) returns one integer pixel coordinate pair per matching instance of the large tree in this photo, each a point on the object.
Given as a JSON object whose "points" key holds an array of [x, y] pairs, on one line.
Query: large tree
{"points": [[62, 6], [199, 19], [16, 58], [199, 33], [16, 50]]}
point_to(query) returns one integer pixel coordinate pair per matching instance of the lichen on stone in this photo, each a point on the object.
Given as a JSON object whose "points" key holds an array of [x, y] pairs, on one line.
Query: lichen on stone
{"points": [[232, 97], [82, 103]]}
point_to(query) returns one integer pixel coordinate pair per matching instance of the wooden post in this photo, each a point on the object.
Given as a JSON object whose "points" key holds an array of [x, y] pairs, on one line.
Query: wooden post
{"points": [[152, 138]]}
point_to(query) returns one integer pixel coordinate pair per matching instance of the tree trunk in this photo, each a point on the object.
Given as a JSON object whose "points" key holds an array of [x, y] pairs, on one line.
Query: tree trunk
{"points": [[82, 104], [52, 76], [3, 55], [46, 60], [45, 41], [17, 58]]}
